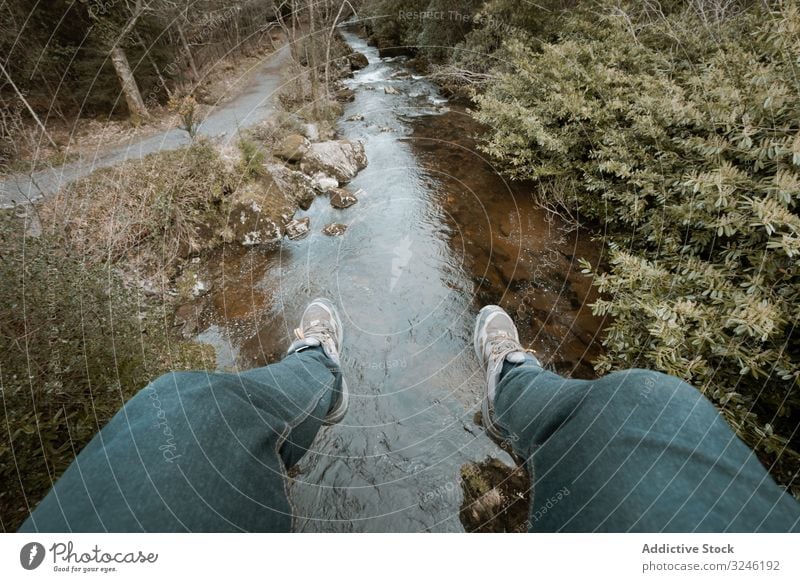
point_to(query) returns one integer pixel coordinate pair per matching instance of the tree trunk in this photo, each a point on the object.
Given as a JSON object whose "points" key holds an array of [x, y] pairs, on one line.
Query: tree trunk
{"points": [[192, 64], [311, 55], [130, 89]]}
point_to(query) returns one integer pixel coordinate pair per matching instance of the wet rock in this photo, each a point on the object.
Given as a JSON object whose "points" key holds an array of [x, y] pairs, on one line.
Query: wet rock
{"points": [[340, 68], [334, 229], [292, 148], [496, 497], [342, 159], [341, 198], [250, 223], [323, 182], [294, 185], [391, 90], [298, 228], [345, 95], [356, 118], [357, 61]]}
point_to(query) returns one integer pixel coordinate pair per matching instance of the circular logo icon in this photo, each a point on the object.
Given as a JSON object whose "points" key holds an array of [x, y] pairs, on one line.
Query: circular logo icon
{"points": [[31, 555]]}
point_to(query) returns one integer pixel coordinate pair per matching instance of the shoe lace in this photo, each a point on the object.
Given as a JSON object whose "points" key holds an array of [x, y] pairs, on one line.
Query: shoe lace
{"points": [[319, 329], [502, 344]]}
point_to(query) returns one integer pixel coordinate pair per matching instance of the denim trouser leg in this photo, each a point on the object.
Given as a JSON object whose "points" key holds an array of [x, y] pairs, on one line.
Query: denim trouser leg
{"points": [[634, 451], [196, 451]]}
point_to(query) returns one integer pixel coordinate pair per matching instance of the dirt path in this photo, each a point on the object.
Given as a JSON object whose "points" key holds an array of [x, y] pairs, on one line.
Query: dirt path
{"points": [[253, 104]]}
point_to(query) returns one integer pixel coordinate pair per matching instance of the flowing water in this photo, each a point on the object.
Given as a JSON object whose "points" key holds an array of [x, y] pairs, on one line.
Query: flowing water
{"points": [[436, 233]]}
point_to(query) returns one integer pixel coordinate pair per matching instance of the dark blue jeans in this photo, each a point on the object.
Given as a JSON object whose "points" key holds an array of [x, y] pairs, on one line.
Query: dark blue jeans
{"points": [[196, 451], [634, 451]]}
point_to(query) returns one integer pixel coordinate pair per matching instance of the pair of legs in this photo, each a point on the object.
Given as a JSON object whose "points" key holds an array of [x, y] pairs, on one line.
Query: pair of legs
{"points": [[633, 451]]}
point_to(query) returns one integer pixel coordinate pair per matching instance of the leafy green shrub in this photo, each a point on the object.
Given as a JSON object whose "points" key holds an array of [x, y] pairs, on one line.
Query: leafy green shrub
{"points": [[684, 141], [75, 344]]}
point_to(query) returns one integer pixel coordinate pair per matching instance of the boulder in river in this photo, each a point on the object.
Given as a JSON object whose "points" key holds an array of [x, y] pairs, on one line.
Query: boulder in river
{"points": [[345, 95], [323, 182], [292, 148], [334, 229], [250, 223], [357, 60], [389, 90], [298, 228], [294, 185], [341, 198], [342, 159]]}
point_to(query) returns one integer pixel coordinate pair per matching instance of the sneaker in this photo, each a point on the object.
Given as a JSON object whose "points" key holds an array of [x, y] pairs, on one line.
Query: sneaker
{"points": [[496, 341], [320, 326]]}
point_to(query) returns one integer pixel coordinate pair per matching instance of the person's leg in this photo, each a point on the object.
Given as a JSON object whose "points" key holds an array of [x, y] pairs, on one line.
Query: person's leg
{"points": [[634, 451], [198, 451]]}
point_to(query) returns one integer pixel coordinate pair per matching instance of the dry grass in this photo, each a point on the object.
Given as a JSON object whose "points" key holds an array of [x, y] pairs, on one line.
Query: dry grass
{"points": [[152, 211]]}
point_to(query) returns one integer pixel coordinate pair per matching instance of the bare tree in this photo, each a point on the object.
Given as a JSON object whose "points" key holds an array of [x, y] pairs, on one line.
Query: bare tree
{"points": [[133, 97]]}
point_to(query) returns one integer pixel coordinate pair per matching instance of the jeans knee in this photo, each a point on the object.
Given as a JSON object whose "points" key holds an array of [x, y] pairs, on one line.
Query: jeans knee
{"points": [[637, 387]]}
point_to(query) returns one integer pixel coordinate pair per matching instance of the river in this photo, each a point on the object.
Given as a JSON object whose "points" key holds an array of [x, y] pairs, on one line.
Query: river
{"points": [[436, 234]]}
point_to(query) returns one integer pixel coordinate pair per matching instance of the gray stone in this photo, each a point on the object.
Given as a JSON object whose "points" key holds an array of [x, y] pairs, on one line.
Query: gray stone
{"points": [[250, 224], [341, 198], [323, 182], [294, 185], [342, 159], [357, 61], [334, 229], [345, 95], [298, 228], [311, 131], [292, 148]]}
